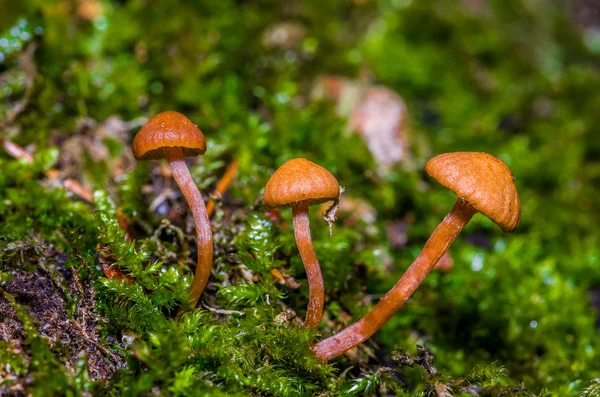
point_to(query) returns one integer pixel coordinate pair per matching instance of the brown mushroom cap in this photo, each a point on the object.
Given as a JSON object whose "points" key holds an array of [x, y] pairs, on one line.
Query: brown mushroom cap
{"points": [[168, 129], [300, 180], [484, 181]]}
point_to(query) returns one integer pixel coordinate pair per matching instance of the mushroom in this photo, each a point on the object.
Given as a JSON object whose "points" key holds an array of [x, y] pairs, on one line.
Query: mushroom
{"points": [[173, 136], [300, 183], [483, 183]]}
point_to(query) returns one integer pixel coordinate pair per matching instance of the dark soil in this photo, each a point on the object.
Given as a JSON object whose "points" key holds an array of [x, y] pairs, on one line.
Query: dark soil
{"points": [[47, 292]]}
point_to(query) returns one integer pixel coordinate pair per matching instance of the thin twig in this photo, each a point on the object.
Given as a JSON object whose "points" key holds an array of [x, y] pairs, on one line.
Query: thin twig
{"points": [[221, 311], [222, 185], [98, 345]]}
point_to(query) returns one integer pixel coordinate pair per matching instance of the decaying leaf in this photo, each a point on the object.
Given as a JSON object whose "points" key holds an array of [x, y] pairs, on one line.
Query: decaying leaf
{"points": [[377, 113]]}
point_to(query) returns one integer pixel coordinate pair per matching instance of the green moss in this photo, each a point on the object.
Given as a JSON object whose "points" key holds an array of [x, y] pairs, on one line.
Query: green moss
{"points": [[512, 79]]}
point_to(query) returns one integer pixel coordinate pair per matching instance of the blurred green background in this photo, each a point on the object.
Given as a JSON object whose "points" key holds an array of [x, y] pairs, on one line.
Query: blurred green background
{"points": [[516, 78]]}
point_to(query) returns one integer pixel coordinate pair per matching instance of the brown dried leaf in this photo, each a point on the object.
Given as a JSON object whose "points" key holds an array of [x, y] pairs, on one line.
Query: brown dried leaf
{"points": [[285, 35], [377, 113]]}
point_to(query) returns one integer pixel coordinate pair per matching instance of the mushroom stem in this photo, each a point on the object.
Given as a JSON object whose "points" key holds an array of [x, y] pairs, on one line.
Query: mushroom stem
{"points": [[182, 176], [316, 290], [434, 249]]}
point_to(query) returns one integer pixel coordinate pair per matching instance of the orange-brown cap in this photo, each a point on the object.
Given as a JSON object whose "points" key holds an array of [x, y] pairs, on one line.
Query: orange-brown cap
{"points": [[484, 181], [168, 129], [301, 180]]}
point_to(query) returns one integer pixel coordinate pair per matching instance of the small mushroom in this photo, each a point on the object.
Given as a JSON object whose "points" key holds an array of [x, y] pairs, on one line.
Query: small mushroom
{"points": [[483, 183], [300, 183], [173, 136]]}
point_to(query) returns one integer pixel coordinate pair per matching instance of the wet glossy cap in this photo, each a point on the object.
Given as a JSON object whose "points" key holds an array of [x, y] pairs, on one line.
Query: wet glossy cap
{"points": [[301, 180], [168, 129], [484, 181]]}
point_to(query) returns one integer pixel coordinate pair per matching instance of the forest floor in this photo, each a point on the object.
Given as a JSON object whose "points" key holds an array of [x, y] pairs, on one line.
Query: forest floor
{"points": [[98, 250]]}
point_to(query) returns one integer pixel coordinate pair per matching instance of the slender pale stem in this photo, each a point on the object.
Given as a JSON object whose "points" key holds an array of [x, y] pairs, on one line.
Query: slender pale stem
{"points": [[316, 290], [434, 249], [182, 176]]}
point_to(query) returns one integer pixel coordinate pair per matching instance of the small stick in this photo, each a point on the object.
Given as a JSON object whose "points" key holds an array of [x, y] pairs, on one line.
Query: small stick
{"points": [[78, 189], [221, 311], [16, 151], [223, 184], [93, 342]]}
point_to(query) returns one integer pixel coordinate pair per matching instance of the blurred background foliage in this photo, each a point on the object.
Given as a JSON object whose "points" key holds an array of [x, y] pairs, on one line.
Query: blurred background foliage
{"points": [[517, 78]]}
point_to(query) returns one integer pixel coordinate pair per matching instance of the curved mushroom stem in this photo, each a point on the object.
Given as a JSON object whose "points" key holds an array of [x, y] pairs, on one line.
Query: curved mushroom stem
{"points": [[434, 249], [182, 176], [316, 290]]}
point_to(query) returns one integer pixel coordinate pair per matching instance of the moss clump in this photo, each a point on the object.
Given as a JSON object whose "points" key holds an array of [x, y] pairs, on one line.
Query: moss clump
{"points": [[513, 317]]}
